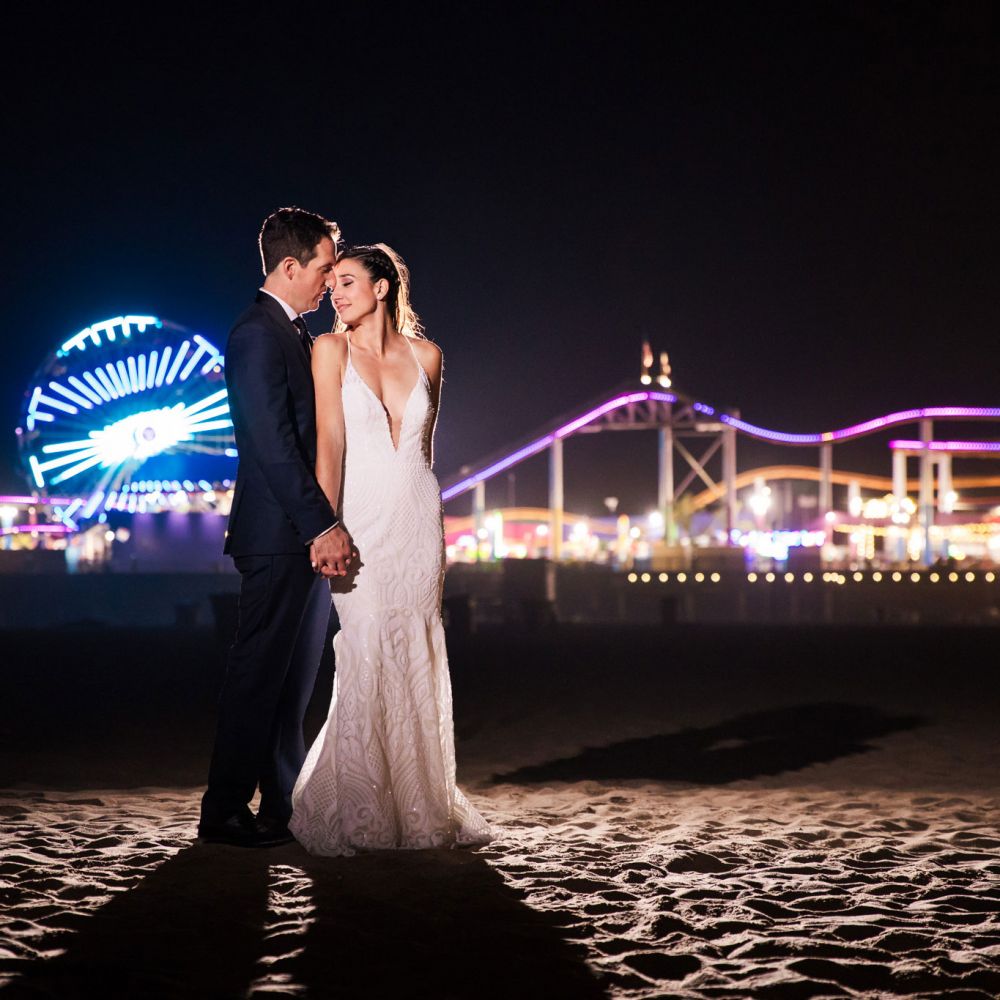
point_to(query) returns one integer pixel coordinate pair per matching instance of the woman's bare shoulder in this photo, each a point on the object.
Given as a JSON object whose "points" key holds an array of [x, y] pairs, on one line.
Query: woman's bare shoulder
{"points": [[329, 359], [329, 353], [330, 346], [427, 351]]}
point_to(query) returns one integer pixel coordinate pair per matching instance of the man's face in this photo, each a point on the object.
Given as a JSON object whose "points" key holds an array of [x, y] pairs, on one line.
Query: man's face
{"points": [[310, 283]]}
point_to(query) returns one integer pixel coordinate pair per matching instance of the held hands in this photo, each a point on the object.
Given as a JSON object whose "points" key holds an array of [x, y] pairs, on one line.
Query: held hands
{"points": [[331, 554]]}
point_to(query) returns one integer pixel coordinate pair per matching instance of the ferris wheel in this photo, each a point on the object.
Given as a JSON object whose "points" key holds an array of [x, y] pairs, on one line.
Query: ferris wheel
{"points": [[125, 414]]}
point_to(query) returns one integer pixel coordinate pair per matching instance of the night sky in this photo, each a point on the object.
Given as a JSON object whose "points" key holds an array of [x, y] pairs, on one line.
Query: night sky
{"points": [[799, 202]]}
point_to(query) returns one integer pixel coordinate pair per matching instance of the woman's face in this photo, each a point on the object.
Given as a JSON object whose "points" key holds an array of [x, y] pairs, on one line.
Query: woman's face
{"points": [[354, 295]]}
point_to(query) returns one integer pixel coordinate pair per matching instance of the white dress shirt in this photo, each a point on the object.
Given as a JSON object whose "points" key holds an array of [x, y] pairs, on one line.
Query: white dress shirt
{"points": [[289, 311]]}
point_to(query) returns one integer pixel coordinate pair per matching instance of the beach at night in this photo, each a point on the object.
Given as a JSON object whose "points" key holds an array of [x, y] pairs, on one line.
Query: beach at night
{"points": [[556, 446], [693, 812]]}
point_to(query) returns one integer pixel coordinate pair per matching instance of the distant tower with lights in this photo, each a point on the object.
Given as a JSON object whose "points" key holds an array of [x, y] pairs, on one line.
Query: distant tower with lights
{"points": [[662, 379]]}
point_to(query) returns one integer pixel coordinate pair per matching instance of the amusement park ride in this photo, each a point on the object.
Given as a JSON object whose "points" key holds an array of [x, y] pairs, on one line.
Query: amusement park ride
{"points": [[130, 417], [678, 419], [125, 415]]}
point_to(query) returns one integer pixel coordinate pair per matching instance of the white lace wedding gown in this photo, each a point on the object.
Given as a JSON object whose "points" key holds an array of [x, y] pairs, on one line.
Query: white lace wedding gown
{"points": [[381, 773]]}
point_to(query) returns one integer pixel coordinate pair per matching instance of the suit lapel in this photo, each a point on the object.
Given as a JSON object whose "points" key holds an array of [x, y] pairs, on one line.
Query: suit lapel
{"points": [[287, 328]]}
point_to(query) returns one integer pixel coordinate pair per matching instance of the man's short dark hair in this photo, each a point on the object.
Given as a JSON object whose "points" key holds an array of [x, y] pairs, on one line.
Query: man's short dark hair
{"points": [[293, 232]]}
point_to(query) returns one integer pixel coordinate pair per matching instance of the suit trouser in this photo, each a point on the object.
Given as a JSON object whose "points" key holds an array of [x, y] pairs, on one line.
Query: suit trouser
{"points": [[270, 673]]}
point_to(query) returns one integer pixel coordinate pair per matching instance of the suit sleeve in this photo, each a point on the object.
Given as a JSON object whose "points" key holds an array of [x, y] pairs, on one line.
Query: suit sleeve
{"points": [[257, 381]]}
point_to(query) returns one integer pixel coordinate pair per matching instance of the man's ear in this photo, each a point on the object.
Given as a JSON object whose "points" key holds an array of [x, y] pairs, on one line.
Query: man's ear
{"points": [[288, 267]]}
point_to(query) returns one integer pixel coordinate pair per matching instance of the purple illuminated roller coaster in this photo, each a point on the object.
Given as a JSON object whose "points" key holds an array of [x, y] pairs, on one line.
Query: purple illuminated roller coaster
{"points": [[624, 399]]}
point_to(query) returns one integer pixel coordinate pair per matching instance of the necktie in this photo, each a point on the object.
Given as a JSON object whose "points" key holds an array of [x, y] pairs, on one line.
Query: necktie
{"points": [[300, 325]]}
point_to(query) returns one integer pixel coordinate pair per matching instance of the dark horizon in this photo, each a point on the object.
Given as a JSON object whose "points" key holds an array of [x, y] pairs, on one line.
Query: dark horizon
{"points": [[799, 205]]}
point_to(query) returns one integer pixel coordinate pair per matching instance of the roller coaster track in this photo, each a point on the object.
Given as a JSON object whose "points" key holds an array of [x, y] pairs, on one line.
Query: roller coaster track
{"points": [[706, 498], [805, 472], [602, 410]]}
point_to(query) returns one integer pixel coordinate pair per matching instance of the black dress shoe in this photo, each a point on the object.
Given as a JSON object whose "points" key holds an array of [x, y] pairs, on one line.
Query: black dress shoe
{"points": [[239, 830], [273, 832]]}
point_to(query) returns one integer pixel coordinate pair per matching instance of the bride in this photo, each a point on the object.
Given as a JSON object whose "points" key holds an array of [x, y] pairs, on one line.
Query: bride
{"points": [[381, 773]]}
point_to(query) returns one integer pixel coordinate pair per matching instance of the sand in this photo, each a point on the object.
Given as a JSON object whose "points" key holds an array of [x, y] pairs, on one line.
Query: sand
{"points": [[696, 813]]}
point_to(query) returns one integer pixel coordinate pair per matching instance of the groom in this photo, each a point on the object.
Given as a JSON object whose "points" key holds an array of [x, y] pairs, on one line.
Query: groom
{"points": [[281, 528]]}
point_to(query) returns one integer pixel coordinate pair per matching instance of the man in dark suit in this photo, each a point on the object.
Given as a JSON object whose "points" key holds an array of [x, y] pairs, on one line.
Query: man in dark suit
{"points": [[281, 530]]}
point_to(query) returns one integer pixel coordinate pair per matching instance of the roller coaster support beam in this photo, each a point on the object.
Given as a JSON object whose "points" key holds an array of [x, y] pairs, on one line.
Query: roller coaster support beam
{"points": [[899, 495], [926, 499], [555, 499], [945, 500], [478, 510], [665, 485], [729, 479], [825, 479]]}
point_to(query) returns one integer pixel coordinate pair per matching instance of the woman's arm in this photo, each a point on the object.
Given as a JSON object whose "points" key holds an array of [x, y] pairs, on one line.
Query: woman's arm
{"points": [[329, 359], [430, 357]]}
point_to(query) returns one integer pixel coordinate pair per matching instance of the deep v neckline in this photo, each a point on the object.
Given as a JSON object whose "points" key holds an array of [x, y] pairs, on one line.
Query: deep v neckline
{"points": [[385, 409]]}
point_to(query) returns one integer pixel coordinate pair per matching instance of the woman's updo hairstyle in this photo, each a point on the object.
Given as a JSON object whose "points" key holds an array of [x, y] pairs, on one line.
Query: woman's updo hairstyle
{"points": [[381, 261]]}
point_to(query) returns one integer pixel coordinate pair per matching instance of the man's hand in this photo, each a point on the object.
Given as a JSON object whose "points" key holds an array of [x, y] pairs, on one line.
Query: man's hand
{"points": [[331, 554]]}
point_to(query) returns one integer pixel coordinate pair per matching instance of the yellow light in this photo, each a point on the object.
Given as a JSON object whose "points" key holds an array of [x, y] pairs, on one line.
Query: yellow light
{"points": [[632, 577], [751, 577], [990, 577], [808, 577], [877, 577], [789, 578], [953, 578], [769, 578], [681, 577], [934, 578], [915, 577], [969, 577], [896, 577], [876, 509], [715, 578], [645, 578], [664, 577], [858, 577], [699, 578]]}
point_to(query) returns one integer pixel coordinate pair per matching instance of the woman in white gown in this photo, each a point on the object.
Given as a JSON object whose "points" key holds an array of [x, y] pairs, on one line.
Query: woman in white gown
{"points": [[381, 773]]}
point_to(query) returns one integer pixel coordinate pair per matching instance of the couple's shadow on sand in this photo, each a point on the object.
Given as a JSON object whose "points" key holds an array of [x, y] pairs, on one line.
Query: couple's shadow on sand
{"points": [[222, 922]]}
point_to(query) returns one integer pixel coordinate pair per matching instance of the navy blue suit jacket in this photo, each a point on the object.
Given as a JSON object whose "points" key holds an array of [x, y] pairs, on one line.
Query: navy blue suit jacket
{"points": [[278, 506]]}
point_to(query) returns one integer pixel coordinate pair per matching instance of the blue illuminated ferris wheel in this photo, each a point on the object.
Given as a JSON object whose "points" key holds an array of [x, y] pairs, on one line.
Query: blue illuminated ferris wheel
{"points": [[129, 409]]}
